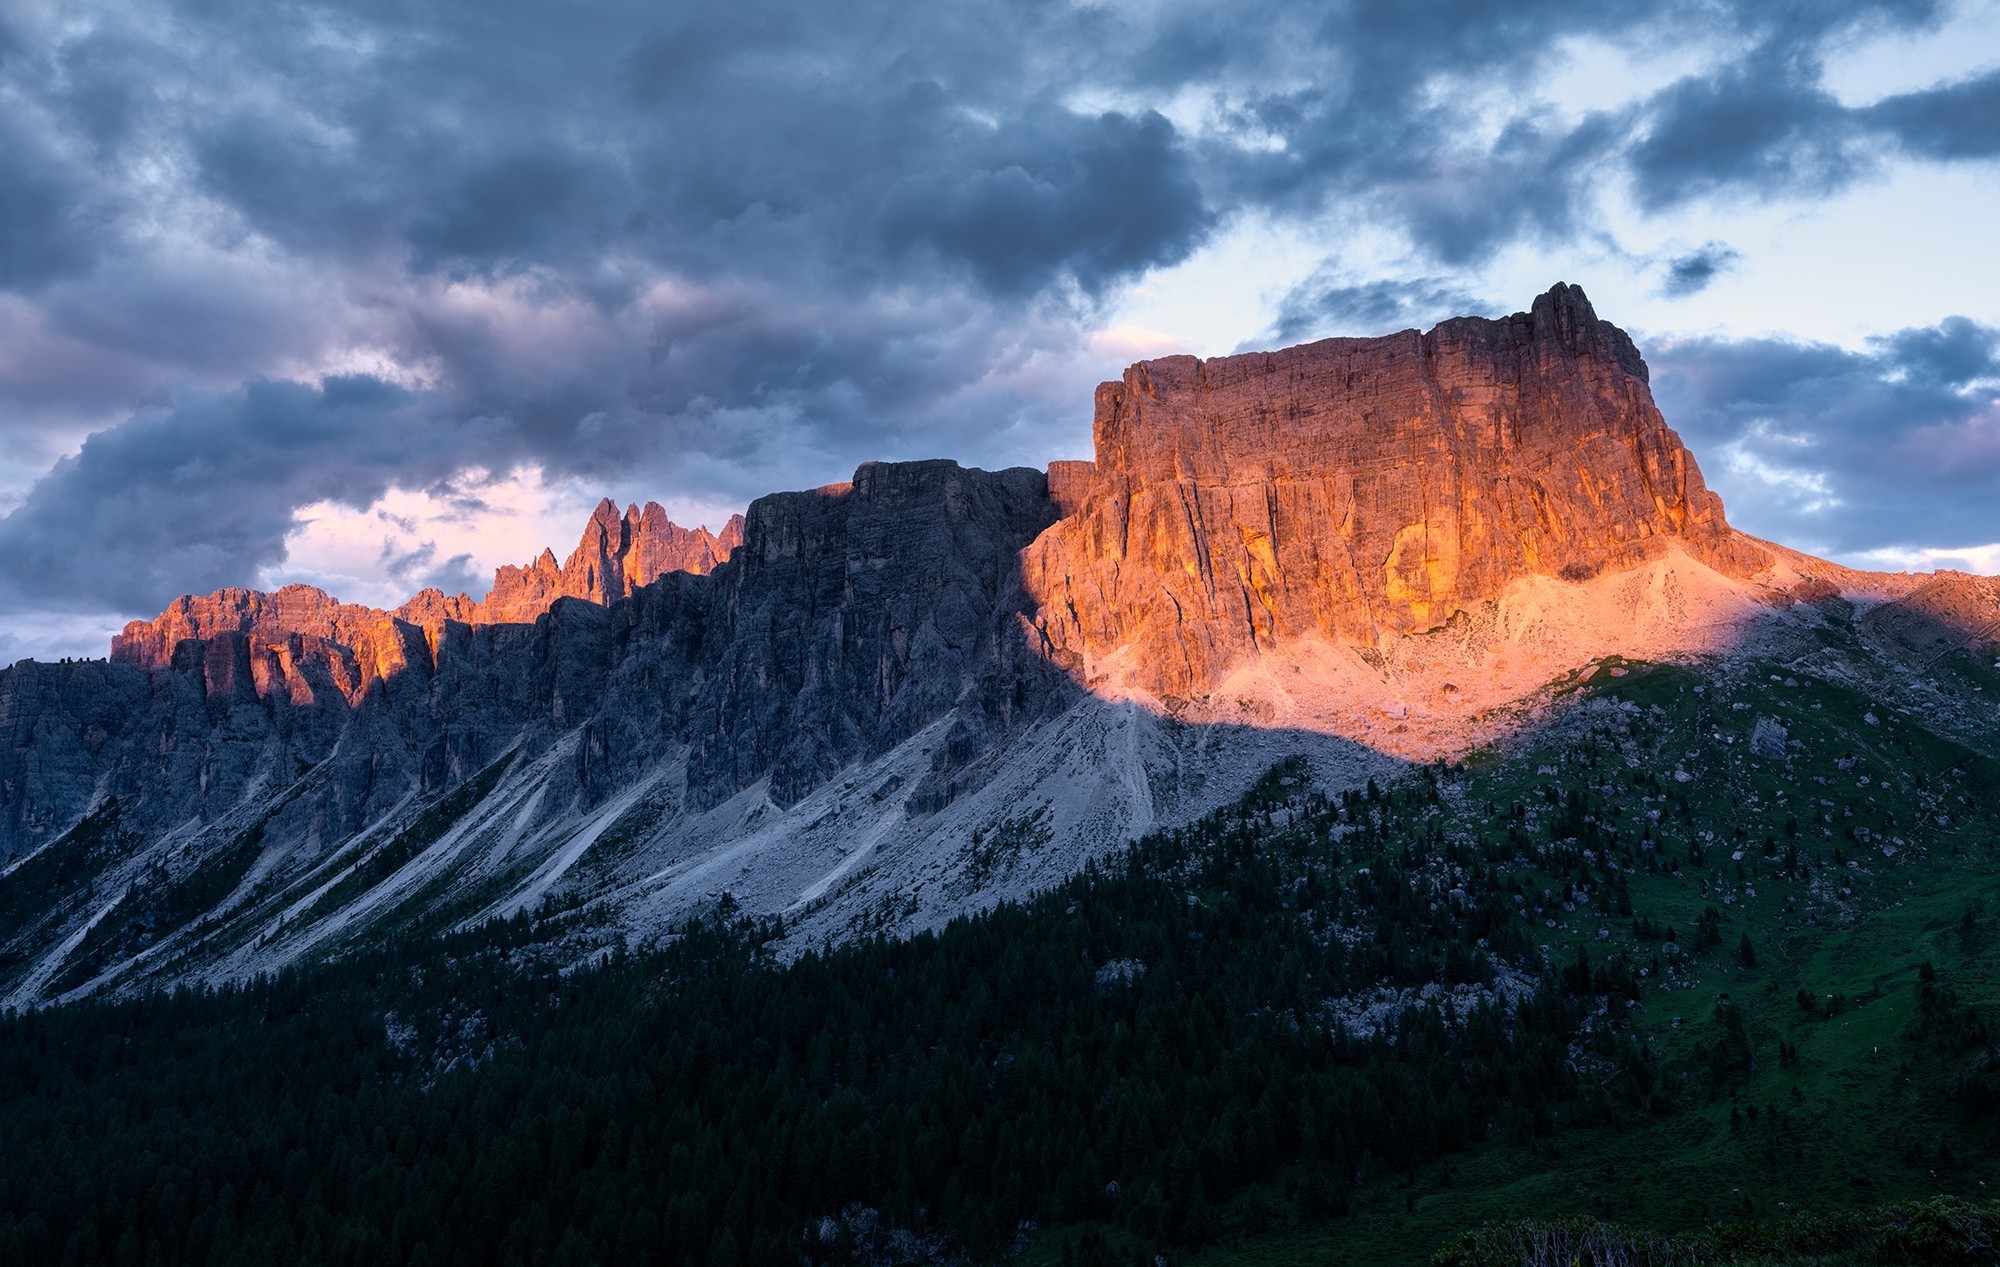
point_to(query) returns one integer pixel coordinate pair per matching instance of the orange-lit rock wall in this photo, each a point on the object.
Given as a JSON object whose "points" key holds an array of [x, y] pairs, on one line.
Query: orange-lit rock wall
{"points": [[1357, 488]]}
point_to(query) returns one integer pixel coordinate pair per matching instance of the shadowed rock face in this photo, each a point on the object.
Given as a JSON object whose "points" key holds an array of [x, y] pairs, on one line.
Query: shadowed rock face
{"points": [[1356, 489], [860, 613], [850, 618]]}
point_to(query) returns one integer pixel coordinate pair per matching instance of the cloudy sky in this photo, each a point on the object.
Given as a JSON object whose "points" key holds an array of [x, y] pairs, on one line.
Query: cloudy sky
{"points": [[378, 295]]}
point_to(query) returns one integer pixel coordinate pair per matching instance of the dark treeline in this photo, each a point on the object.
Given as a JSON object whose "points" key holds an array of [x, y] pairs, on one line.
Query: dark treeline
{"points": [[1153, 1047]]}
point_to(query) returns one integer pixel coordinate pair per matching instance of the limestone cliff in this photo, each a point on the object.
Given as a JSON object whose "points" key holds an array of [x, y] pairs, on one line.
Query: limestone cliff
{"points": [[617, 555], [299, 642], [350, 646], [860, 613], [1357, 489]]}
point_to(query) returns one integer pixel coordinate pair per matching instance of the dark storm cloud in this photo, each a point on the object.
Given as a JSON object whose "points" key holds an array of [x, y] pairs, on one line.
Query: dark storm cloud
{"points": [[1692, 273], [1322, 307], [199, 496], [1894, 445], [727, 247], [1119, 200], [1957, 121], [753, 138], [1760, 128], [46, 223]]}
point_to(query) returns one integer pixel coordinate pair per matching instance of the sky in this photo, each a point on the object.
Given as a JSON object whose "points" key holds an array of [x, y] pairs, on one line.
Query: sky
{"points": [[376, 295]]}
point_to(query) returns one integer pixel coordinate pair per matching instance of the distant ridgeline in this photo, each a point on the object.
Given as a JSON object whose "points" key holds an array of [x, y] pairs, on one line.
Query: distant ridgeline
{"points": [[1594, 977]]}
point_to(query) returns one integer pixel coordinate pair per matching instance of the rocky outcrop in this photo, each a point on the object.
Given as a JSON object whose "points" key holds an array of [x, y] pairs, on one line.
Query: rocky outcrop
{"points": [[1353, 490], [617, 555], [1948, 612], [299, 642], [857, 614], [302, 641]]}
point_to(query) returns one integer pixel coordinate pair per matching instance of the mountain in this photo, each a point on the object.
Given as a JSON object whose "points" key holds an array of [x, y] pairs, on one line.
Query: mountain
{"points": [[1353, 491], [617, 555], [880, 704]]}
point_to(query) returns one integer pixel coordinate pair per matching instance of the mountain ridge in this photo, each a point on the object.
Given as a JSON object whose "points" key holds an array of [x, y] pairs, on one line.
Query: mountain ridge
{"points": [[1452, 369], [1362, 552], [615, 555]]}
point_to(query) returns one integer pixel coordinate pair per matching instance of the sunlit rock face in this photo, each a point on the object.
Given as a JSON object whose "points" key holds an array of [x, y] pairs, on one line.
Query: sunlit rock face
{"points": [[302, 642], [299, 642], [618, 554], [1353, 490]]}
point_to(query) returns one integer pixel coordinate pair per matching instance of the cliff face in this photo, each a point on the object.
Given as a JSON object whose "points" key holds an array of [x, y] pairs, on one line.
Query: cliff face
{"points": [[855, 615], [298, 642], [617, 555], [1357, 489], [303, 642]]}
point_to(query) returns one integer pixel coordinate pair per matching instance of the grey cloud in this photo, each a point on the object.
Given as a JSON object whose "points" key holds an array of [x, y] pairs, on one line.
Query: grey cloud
{"points": [[1322, 306], [756, 138], [418, 568], [771, 137], [1532, 187], [1956, 352], [1117, 200], [537, 206], [729, 248], [1763, 127], [777, 138], [45, 222], [1692, 273], [201, 496], [1894, 445], [1956, 121]]}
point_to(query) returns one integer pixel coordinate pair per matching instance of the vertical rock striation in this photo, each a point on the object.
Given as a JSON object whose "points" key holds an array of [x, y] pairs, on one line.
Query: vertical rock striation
{"points": [[855, 615], [1357, 489]]}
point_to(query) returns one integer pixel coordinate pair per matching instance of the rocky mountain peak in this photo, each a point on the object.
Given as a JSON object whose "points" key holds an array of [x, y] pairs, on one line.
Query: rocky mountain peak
{"points": [[1350, 490], [617, 553]]}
